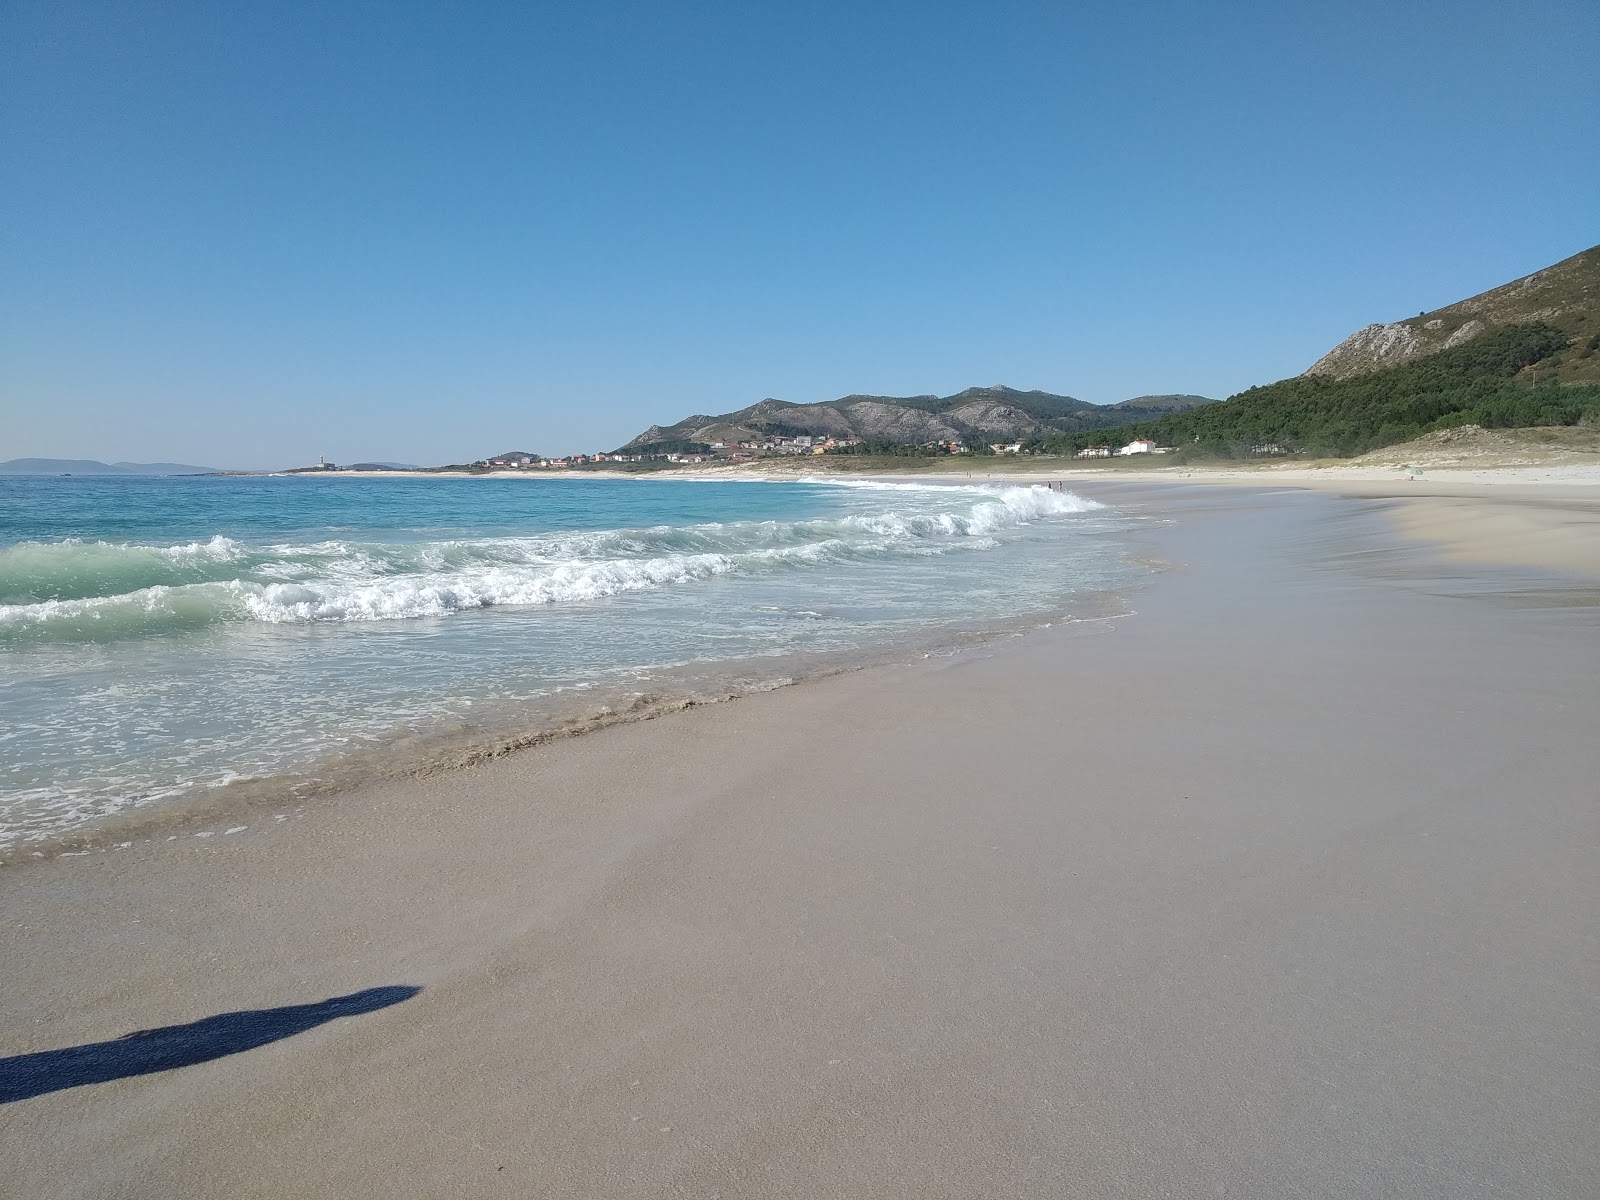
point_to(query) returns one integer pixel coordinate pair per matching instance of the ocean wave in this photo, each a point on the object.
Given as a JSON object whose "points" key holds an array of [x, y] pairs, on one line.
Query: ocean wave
{"points": [[99, 590], [31, 572]]}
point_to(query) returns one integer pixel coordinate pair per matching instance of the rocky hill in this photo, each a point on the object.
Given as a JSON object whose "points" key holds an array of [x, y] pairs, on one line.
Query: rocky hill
{"points": [[1565, 296], [991, 412]]}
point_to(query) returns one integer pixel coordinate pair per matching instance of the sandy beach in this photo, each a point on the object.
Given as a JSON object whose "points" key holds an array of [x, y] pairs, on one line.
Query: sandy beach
{"points": [[1540, 517], [1282, 884]]}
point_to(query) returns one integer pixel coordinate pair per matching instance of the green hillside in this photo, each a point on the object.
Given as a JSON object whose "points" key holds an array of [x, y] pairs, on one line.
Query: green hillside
{"points": [[1492, 380]]}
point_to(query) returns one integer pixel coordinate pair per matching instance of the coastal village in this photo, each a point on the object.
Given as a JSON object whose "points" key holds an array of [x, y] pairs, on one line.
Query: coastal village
{"points": [[722, 452], [714, 451], [777, 446]]}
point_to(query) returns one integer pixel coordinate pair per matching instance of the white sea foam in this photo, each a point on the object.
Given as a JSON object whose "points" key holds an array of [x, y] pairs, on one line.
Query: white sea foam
{"points": [[337, 580], [1061, 501], [441, 594]]}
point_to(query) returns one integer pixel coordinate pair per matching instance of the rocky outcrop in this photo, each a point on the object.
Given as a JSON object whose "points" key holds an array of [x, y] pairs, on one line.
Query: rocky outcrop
{"points": [[1566, 295], [992, 417], [878, 420], [1369, 349]]}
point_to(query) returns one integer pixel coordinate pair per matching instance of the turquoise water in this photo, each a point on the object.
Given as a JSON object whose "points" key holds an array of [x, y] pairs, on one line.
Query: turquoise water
{"points": [[163, 636]]}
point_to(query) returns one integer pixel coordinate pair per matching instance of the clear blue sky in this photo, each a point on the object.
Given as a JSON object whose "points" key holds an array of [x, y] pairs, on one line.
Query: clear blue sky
{"points": [[248, 234]]}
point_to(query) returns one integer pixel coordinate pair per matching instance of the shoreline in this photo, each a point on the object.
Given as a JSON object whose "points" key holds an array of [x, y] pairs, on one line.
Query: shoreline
{"points": [[251, 776], [1541, 526], [792, 469], [1233, 894], [526, 726], [1467, 532]]}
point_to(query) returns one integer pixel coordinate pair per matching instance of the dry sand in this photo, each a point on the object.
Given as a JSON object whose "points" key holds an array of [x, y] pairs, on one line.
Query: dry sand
{"points": [[1285, 884]]}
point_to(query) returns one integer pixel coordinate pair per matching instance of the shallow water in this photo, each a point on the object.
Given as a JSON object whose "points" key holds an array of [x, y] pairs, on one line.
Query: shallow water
{"points": [[159, 636]]}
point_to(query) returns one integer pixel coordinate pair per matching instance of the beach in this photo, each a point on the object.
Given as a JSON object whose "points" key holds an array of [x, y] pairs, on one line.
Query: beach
{"points": [[194, 642], [1281, 882]]}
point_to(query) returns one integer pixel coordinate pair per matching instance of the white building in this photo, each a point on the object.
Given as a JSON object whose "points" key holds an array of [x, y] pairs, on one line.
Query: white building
{"points": [[1138, 446]]}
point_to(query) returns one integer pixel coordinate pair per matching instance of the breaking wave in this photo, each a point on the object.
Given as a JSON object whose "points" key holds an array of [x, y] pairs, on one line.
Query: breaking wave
{"points": [[77, 590]]}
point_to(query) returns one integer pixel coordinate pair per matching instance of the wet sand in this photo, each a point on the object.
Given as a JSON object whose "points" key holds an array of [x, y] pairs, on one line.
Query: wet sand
{"points": [[1531, 526], [1284, 884], [1539, 517]]}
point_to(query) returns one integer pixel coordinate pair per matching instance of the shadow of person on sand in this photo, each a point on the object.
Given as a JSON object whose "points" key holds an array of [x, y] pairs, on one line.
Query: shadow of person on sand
{"points": [[24, 1076]]}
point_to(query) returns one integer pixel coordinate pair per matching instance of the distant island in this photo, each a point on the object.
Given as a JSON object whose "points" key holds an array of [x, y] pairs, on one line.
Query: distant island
{"points": [[89, 466]]}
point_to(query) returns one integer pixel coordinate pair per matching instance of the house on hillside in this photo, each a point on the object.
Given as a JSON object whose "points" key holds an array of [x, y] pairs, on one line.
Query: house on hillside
{"points": [[1138, 446]]}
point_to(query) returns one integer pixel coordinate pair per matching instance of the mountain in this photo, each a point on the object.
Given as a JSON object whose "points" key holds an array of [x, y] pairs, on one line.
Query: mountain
{"points": [[991, 412], [89, 466], [1565, 296], [1501, 379]]}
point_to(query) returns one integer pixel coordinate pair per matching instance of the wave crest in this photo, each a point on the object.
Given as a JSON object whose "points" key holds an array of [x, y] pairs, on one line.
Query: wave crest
{"points": [[33, 572], [99, 590]]}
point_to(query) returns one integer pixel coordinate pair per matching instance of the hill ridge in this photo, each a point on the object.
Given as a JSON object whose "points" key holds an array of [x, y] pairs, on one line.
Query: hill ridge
{"points": [[1564, 295], [996, 412], [92, 466]]}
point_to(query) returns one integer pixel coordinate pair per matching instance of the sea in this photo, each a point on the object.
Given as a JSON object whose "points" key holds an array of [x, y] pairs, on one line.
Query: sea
{"points": [[171, 646]]}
